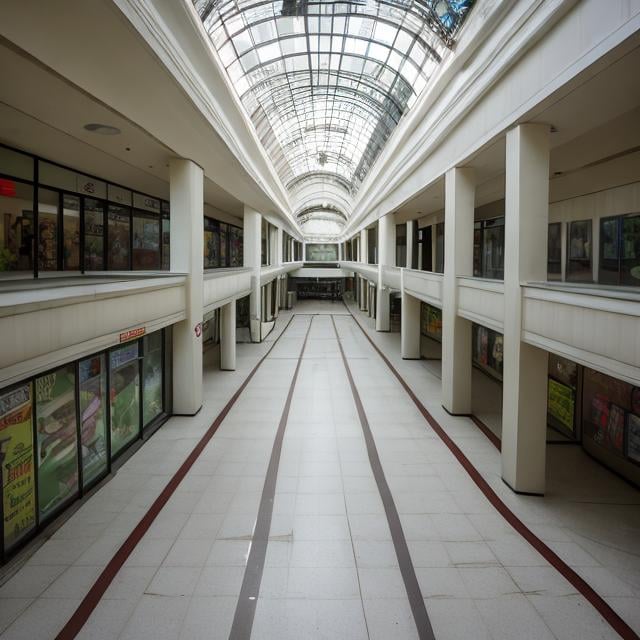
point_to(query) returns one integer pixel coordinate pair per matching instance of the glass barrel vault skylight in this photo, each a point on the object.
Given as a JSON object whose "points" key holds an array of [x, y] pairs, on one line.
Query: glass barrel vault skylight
{"points": [[325, 83]]}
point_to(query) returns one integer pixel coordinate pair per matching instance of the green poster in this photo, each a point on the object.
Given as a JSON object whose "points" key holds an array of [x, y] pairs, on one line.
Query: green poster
{"points": [[16, 457], [57, 439], [125, 396], [561, 404]]}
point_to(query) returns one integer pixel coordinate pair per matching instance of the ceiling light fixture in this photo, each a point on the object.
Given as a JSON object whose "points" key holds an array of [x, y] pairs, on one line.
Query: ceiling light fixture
{"points": [[102, 129]]}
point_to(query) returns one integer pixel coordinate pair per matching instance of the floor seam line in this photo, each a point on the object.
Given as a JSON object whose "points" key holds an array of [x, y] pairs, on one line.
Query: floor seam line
{"points": [[407, 570], [615, 621]]}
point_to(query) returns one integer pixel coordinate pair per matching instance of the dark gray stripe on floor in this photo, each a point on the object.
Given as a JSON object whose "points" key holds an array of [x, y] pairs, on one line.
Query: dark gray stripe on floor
{"points": [[248, 599], [416, 601]]}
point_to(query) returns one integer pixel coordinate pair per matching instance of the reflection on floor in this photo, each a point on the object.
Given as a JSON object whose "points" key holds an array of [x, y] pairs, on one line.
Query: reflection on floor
{"points": [[331, 569]]}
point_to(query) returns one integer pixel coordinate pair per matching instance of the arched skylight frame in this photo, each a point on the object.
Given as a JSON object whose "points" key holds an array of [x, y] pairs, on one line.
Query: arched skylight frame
{"points": [[325, 82]]}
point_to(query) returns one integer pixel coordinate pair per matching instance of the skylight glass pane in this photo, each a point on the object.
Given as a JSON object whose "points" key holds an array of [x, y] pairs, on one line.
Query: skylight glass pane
{"points": [[326, 83]]}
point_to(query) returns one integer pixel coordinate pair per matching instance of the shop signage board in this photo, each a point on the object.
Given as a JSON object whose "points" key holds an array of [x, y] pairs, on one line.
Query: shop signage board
{"points": [[132, 334], [16, 458]]}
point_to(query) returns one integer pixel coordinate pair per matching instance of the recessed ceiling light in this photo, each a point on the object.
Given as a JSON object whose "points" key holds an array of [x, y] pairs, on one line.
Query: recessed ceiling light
{"points": [[102, 129]]}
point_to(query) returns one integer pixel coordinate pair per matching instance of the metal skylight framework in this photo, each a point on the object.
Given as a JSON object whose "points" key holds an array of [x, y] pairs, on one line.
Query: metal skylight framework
{"points": [[324, 82]]}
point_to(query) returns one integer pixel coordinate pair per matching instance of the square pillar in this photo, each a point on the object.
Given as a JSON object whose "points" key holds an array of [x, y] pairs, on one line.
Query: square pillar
{"points": [[524, 412], [187, 237], [279, 246], [458, 261], [228, 336], [386, 251], [252, 257], [409, 325]]}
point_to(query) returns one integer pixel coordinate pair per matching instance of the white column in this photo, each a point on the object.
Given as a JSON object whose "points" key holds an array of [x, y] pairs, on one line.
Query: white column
{"points": [[187, 237], [386, 253], [524, 404], [458, 261], [409, 325], [364, 247], [411, 231], [252, 258], [228, 336]]}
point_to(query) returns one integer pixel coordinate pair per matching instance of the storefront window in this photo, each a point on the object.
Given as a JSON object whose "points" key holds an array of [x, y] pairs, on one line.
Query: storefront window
{"points": [[211, 328], [554, 251], [146, 241], [401, 245], [211, 244], [620, 250], [152, 405], [124, 389], [118, 238], [488, 249], [16, 460], [57, 439], [93, 235], [236, 249], [71, 233], [579, 252], [48, 205], [561, 394], [440, 247], [611, 414], [488, 350], [166, 237], [16, 226], [93, 417], [223, 245], [425, 248], [264, 243], [431, 321], [372, 245]]}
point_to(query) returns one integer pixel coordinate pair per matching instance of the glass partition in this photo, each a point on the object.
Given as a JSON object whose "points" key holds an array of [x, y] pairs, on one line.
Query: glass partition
{"points": [[124, 386], [152, 396], [118, 238], [48, 209], [57, 439], [579, 252], [94, 213], [16, 226], [146, 241], [92, 384]]}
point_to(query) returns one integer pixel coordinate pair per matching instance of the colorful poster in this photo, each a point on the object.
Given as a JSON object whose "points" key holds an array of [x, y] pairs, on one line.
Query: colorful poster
{"points": [[561, 404], [124, 396], [615, 428], [93, 430], [633, 437], [16, 458], [57, 439]]}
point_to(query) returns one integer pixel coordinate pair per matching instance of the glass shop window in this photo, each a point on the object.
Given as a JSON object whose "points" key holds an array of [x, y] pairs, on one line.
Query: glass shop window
{"points": [[48, 208], [611, 414], [236, 248], [372, 245], [264, 243], [16, 226], [440, 247], [152, 397], [56, 439], [16, 460], [118, 238], [579, 252], [92, 383], [488, 350], [620, 250], [401, 245], [425, 248], [166, 237], [146, 241], [124, 391], [224, 253], [554, 251], [211, 244], [430, 321], [488, 248], [562, 392], [93, 234], [70, 233]]}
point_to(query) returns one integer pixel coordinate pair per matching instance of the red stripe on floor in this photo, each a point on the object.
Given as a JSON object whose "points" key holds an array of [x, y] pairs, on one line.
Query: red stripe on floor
{"points": [[603, 608], [93, 597]]}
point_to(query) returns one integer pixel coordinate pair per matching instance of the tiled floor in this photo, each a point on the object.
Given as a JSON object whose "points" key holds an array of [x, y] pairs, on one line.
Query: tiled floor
{"points": [[331, 569]]}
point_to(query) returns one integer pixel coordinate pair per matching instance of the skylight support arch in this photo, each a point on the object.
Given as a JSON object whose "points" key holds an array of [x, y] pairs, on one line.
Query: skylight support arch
{"points": [[326, 82]]}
